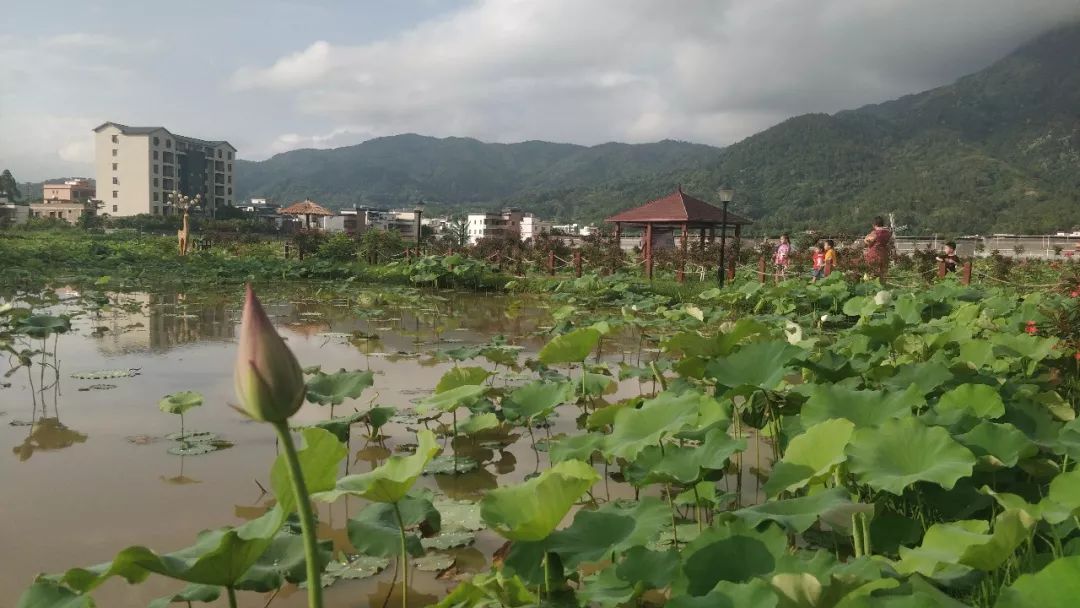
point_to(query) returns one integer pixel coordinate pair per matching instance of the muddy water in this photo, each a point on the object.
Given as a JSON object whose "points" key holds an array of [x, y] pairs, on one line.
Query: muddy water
{"points": [[86, 470]]}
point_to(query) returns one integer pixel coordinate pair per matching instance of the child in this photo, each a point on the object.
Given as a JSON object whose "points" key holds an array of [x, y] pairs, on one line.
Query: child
{"points": [[950, 258], [782, 257], [819, 263], [830, 255]]}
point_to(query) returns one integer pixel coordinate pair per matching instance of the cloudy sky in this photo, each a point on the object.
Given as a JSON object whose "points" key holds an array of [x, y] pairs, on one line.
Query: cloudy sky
{"points": [[275, 75]]}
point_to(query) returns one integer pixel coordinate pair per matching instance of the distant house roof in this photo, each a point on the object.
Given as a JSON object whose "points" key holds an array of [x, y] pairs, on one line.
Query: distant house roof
{"points": [[306, 207], [678, 208], [128, 130]]}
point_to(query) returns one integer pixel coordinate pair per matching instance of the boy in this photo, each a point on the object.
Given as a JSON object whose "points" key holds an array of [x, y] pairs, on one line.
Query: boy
{"points": [[819, 263], [950, 258]]}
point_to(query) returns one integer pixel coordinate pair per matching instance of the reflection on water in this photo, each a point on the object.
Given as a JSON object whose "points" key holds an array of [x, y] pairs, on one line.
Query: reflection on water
{"points": [[47, 434], [158, 322]]}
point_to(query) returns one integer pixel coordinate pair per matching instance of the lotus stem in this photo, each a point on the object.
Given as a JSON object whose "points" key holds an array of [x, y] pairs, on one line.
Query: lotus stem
{"points": [[307, 517], [547, 576], [232, 596], [404, 559]]}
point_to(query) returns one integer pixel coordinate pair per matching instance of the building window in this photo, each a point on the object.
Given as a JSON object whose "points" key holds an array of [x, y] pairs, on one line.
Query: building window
{"points": [[155, 168], [116, 194], [156, 182], [230, 178], [155, 197], [230, 166], [230, 157], [168, 143], [168, 184], [115, 166], [157, 142], [114, 151], [219, 153], [230, 191], [115, 139], [155, 154], [116, 180], [114, 208]]}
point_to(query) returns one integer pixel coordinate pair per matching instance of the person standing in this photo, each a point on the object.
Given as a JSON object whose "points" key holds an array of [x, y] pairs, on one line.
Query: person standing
{"points": [[830, 256], [818, 257], [950, 258], [782, 257], [877, 247]]}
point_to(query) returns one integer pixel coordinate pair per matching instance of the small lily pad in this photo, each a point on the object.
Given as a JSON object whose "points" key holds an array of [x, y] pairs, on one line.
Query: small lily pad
{"points": [[459, 515], [106, 374], [433, 562], [97, 387], [200, 448], [446, 465], [142, 439], [449, 540], [192, 436], [361, 566]]}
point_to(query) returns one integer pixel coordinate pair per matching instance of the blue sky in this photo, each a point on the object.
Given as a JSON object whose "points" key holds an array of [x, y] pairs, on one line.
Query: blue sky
{"points": [[275, 75]]}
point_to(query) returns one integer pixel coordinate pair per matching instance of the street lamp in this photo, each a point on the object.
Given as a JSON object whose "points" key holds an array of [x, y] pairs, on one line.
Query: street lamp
{"points": [[418, 211], [726, 193]]}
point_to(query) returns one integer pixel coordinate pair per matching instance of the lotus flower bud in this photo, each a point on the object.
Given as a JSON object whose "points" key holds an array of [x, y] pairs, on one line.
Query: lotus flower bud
{"points": [[269, 381]]}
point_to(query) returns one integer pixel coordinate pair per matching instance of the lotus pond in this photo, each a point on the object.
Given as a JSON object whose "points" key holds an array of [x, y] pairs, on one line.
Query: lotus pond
{"points": [[835, 444]]}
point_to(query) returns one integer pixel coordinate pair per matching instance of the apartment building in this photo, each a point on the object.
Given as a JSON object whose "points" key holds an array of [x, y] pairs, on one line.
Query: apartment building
{"points": [[532, 227], [494, 224], [138, 167]]}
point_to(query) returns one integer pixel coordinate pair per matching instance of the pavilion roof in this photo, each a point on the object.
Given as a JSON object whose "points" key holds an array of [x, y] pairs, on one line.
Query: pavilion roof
{"points": [[306, 207], [678, 208]]}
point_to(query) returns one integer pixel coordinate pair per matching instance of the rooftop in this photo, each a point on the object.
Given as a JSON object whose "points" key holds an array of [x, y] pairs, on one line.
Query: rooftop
{"points": [[678, 208], [129, 130]]}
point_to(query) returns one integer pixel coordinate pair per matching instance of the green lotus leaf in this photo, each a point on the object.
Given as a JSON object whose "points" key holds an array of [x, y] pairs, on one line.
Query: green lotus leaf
{"points": [[925, 376], [191, 593], [478, 423], [605, 416], [754, 594], [577, 447], [319, 459], [606, 590], [860, 306], [448, 540], [595, 385], [178, 403], [732, 551], [1033, 348], [1063, 498], [284, 561], [798, 514], [530, 511], [341, 426], [536, 399], [966, 543], [389, 482], [448, 401], [450, 464], [864, 408], [1055, 586], [977, 400], [684, 464], [45, 593], [358, 567], [976, 353], [374, 530], [490, 589], [461, 376], [433, 562], [459, 514], [998, 444], [901, 452], [615, 527], [810, 456], [573, 347], [665, 414], [219, 557], [43, 326], [761, 365], [105, 374], [334, 389], [647, 569]]}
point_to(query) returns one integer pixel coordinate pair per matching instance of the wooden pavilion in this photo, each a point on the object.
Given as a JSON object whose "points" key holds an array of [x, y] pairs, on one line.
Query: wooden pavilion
{"points": [[678, 210], [306, 208]]}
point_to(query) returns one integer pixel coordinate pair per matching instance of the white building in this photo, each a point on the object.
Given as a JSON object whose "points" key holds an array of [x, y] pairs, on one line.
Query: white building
{"points": [[532, 227], [137, 168], [494, 224]]}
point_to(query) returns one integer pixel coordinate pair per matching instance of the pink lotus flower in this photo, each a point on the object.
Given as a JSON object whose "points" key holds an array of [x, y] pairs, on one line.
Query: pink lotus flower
{"points": [[269, 381]]}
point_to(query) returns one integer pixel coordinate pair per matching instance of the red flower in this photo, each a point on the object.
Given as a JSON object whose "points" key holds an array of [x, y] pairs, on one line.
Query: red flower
{"points": [[1074, 293], [1077, 355]]}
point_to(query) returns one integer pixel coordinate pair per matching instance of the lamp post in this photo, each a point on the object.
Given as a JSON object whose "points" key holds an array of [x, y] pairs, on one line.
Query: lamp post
{"points": [[726, 193], [418, 211]]}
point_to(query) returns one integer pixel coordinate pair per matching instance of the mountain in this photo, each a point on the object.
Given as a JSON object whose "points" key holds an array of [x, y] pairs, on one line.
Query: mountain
{"points": [[996, 151]]}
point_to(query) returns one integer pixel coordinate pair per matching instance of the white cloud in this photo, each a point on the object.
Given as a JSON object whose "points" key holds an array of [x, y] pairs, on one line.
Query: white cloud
{"points": [[703, 70], [341, 136]]}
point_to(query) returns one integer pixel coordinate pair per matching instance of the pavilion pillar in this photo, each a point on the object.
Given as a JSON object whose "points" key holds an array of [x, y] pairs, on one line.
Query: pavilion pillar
{"points": [[648, 251], [681, 275], [712, 235], [618, 234], [702, 238]]}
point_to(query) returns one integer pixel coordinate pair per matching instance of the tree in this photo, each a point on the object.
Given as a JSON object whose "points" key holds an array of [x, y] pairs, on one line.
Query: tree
{"points": [[9, 188], [457, 232]]}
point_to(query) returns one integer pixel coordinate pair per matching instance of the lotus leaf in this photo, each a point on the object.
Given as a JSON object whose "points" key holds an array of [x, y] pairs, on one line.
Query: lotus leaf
{"points": [[191, 593], [998, 444], [864, 408], [375, 531], [319, 459], [798, 514], [615, 527], [108, 374], [178, 403], [761, 365], [754, 594], [45, 593], [577, 447], [966, 543], [461, 376], [733, 552], [43, 326], [334, 389], [1055, 586], [450, 465], [459, 514], [283, 561], [648, 569], [478, 423], [977, 400], [359, 567], [810, 456], [901, 452], [462, 396], [490, 589], [433, 562], [448, 540], [537, 399], [389, 482], [573, 347], [665, 414], [530, 511]]}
